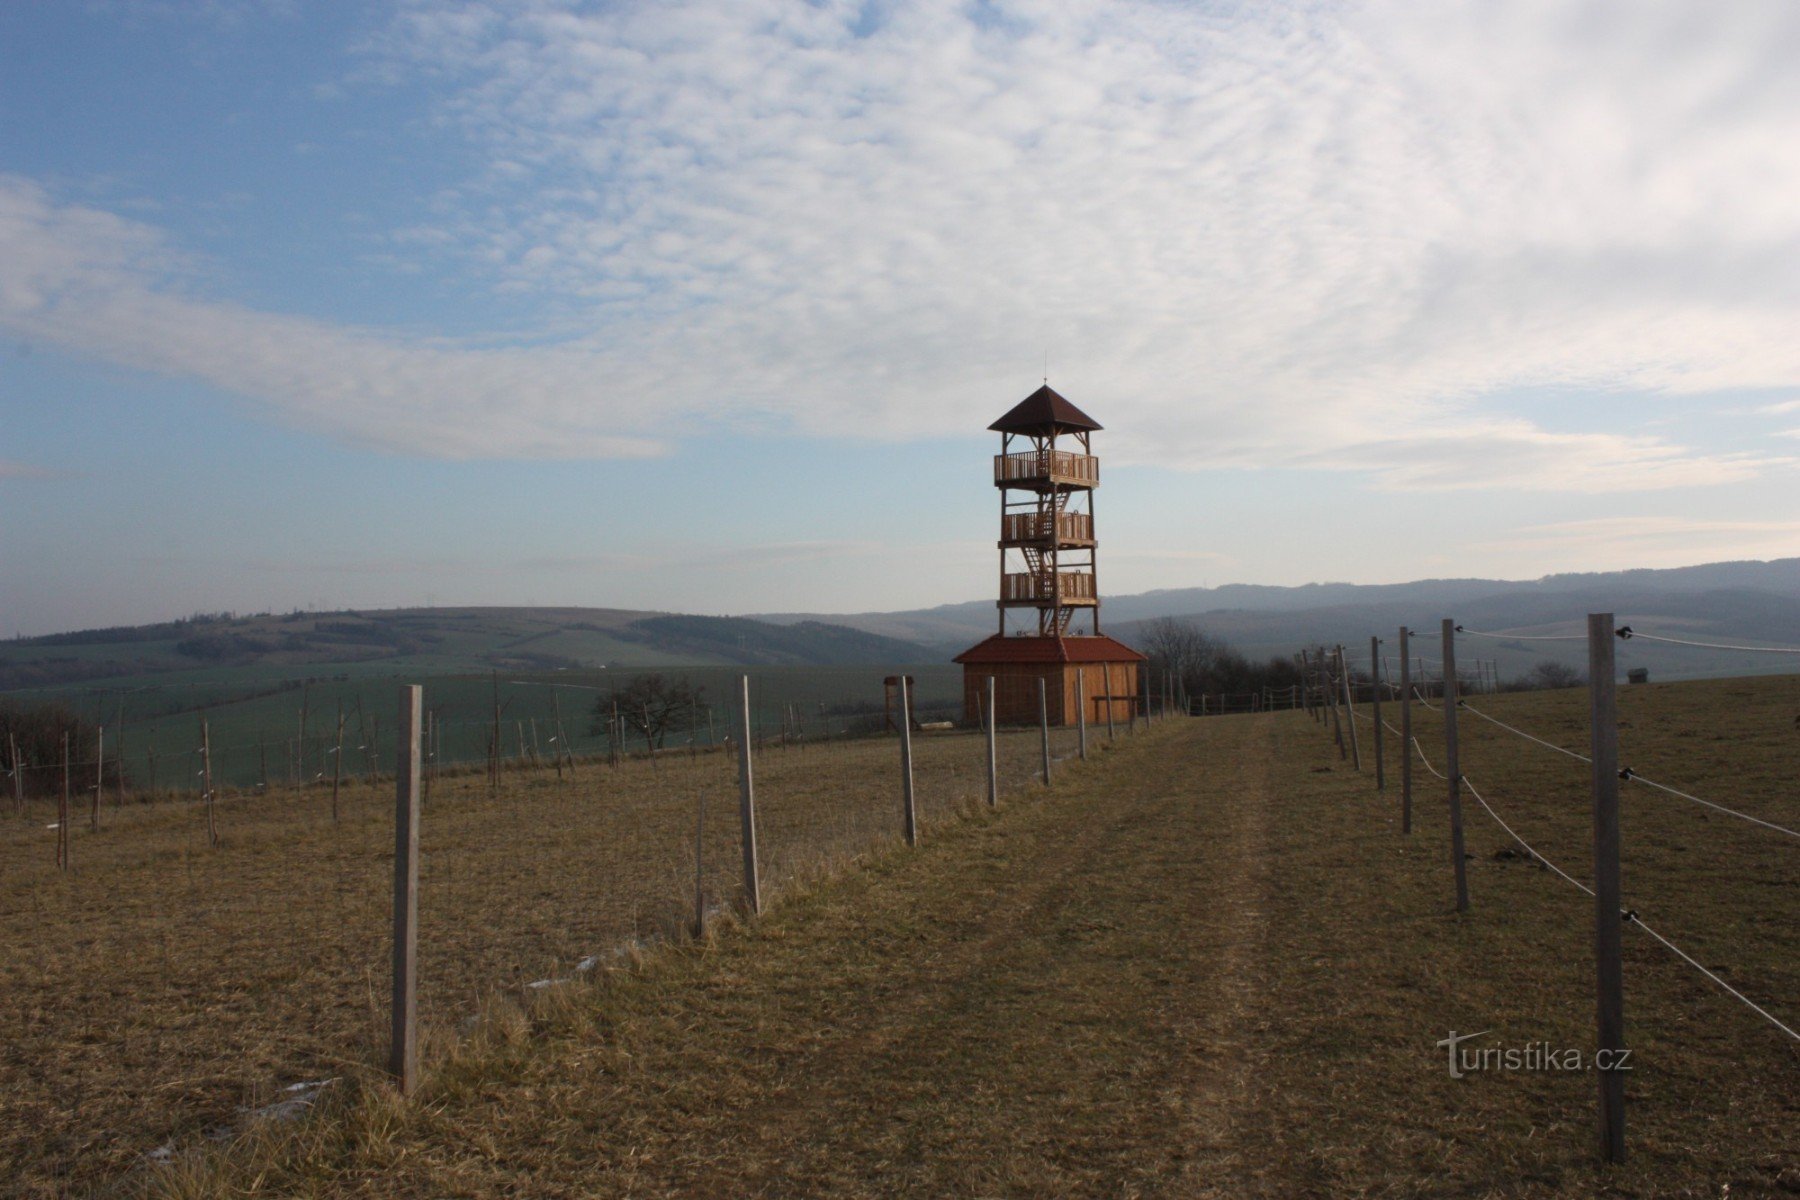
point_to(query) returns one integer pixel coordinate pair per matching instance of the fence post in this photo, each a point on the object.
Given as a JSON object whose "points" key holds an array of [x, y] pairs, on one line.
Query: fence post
{"points": [[62, 810], [99, 776], [403, 1060], [1349, 707], [1044, 725], [1406, 739], [700, 868], [1329, 687], [1375, 704], [910, 814], [747, 805], [18, 773], [1109, 705], [1453, 767], [993, 763], [212, 823], [1081, 709], [1603, 716]]}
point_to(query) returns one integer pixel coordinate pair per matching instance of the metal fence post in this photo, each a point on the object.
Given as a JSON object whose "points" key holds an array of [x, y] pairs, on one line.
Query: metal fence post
{"points": [[1375, 704], [1406, 735], [1044, 725]]}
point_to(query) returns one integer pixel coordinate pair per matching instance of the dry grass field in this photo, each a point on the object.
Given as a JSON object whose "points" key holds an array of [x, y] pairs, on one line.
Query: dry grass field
{"points": [[1207, 963], [161, 986]]}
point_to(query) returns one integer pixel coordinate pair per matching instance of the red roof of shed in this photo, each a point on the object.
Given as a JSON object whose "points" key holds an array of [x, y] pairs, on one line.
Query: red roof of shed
{"points": [[1001, 649]]}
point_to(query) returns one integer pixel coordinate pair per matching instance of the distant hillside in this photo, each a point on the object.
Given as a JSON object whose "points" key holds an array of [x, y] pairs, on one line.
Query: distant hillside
{"points": [[438, 640], [1731, 601]]}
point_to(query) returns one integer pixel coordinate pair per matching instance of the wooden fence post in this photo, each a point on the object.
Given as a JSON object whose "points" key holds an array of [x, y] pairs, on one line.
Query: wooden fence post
{"points": [[1349, 707], [993, 761], [212, 821], [62, 810], [99, 776], [1081, 709], [1406, 735], [1453, 767], [1044, 725], [403, 1058], [1329, 687], [909, 814], [18, 773], [337, 764], [1603, 717], [1375, 705], [700, 868], [1110, 733], [747, 805]]}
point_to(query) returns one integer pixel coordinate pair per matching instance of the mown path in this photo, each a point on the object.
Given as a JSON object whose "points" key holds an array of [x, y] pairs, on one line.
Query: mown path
{"points": [[1205, 965]]}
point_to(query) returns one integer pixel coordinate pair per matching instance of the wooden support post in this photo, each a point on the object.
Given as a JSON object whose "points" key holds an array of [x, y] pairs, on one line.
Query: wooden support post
{"points": [[747, 804], [909, 814], [562, 743], [1081, 710], [1110, 732], [337, 764], [993, 758], [1375, 705], [18, 772], [1328, 687], [1453, 767], [403, 1058], [1603, 720], [1406, 735], [212, 821], [700, 868], [1306, 692], [1044, 725], [62, 810], [1349, 707], [99, 776]]}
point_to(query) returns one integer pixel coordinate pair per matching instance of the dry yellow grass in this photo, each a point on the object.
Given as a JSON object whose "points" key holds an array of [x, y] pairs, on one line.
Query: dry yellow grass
{"points": [[1207, 966], [161, 986]]}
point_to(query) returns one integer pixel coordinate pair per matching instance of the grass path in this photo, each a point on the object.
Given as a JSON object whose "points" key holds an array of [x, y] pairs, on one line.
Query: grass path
{"points": [[1206, 965]]}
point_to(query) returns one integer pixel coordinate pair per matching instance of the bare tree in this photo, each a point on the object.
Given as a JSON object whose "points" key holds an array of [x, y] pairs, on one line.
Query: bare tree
{"points": [[652, 705]]}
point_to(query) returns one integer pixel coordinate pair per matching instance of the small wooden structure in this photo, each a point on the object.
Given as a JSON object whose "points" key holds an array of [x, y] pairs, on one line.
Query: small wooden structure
{"points": [[1048, 567]]}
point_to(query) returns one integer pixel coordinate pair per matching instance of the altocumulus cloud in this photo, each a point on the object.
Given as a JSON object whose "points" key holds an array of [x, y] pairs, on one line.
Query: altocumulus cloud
{"points": [[1254, 235]]}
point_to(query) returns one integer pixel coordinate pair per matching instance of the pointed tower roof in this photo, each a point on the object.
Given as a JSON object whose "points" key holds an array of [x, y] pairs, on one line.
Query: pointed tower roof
{"points": [[1041, 413]]}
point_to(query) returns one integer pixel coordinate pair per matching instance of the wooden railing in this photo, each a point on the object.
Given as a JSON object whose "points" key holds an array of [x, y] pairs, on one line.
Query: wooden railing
{"points": [[1058, 466], [1065, 587], [1036, 527]]}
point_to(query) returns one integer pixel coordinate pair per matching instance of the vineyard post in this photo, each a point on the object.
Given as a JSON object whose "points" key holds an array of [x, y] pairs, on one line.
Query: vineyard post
{"points": [[1375, 703], [700, 868], [1603, 717], [562, 742], [1349, 706], [1406, 753], [909, 813], [747, 804], [403, 1061], [337, 763], [1329, 687], [1044, 725], [62, 810], [1306, 694], [1453, 766], [18, 772], [212, 822], [99, 775], [1109, 705], [1081, 709], [993, 764]]}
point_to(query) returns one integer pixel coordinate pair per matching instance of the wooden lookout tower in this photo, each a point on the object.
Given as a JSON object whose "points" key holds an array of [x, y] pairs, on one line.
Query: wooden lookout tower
{"points": [[1046, 474]]}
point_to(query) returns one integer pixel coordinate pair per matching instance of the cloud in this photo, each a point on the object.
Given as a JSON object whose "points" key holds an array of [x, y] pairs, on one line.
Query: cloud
{"points": [[1325, 237]]}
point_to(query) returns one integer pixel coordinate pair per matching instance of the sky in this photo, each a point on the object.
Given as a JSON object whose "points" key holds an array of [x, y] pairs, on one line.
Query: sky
{"points": [[706, 306]]}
